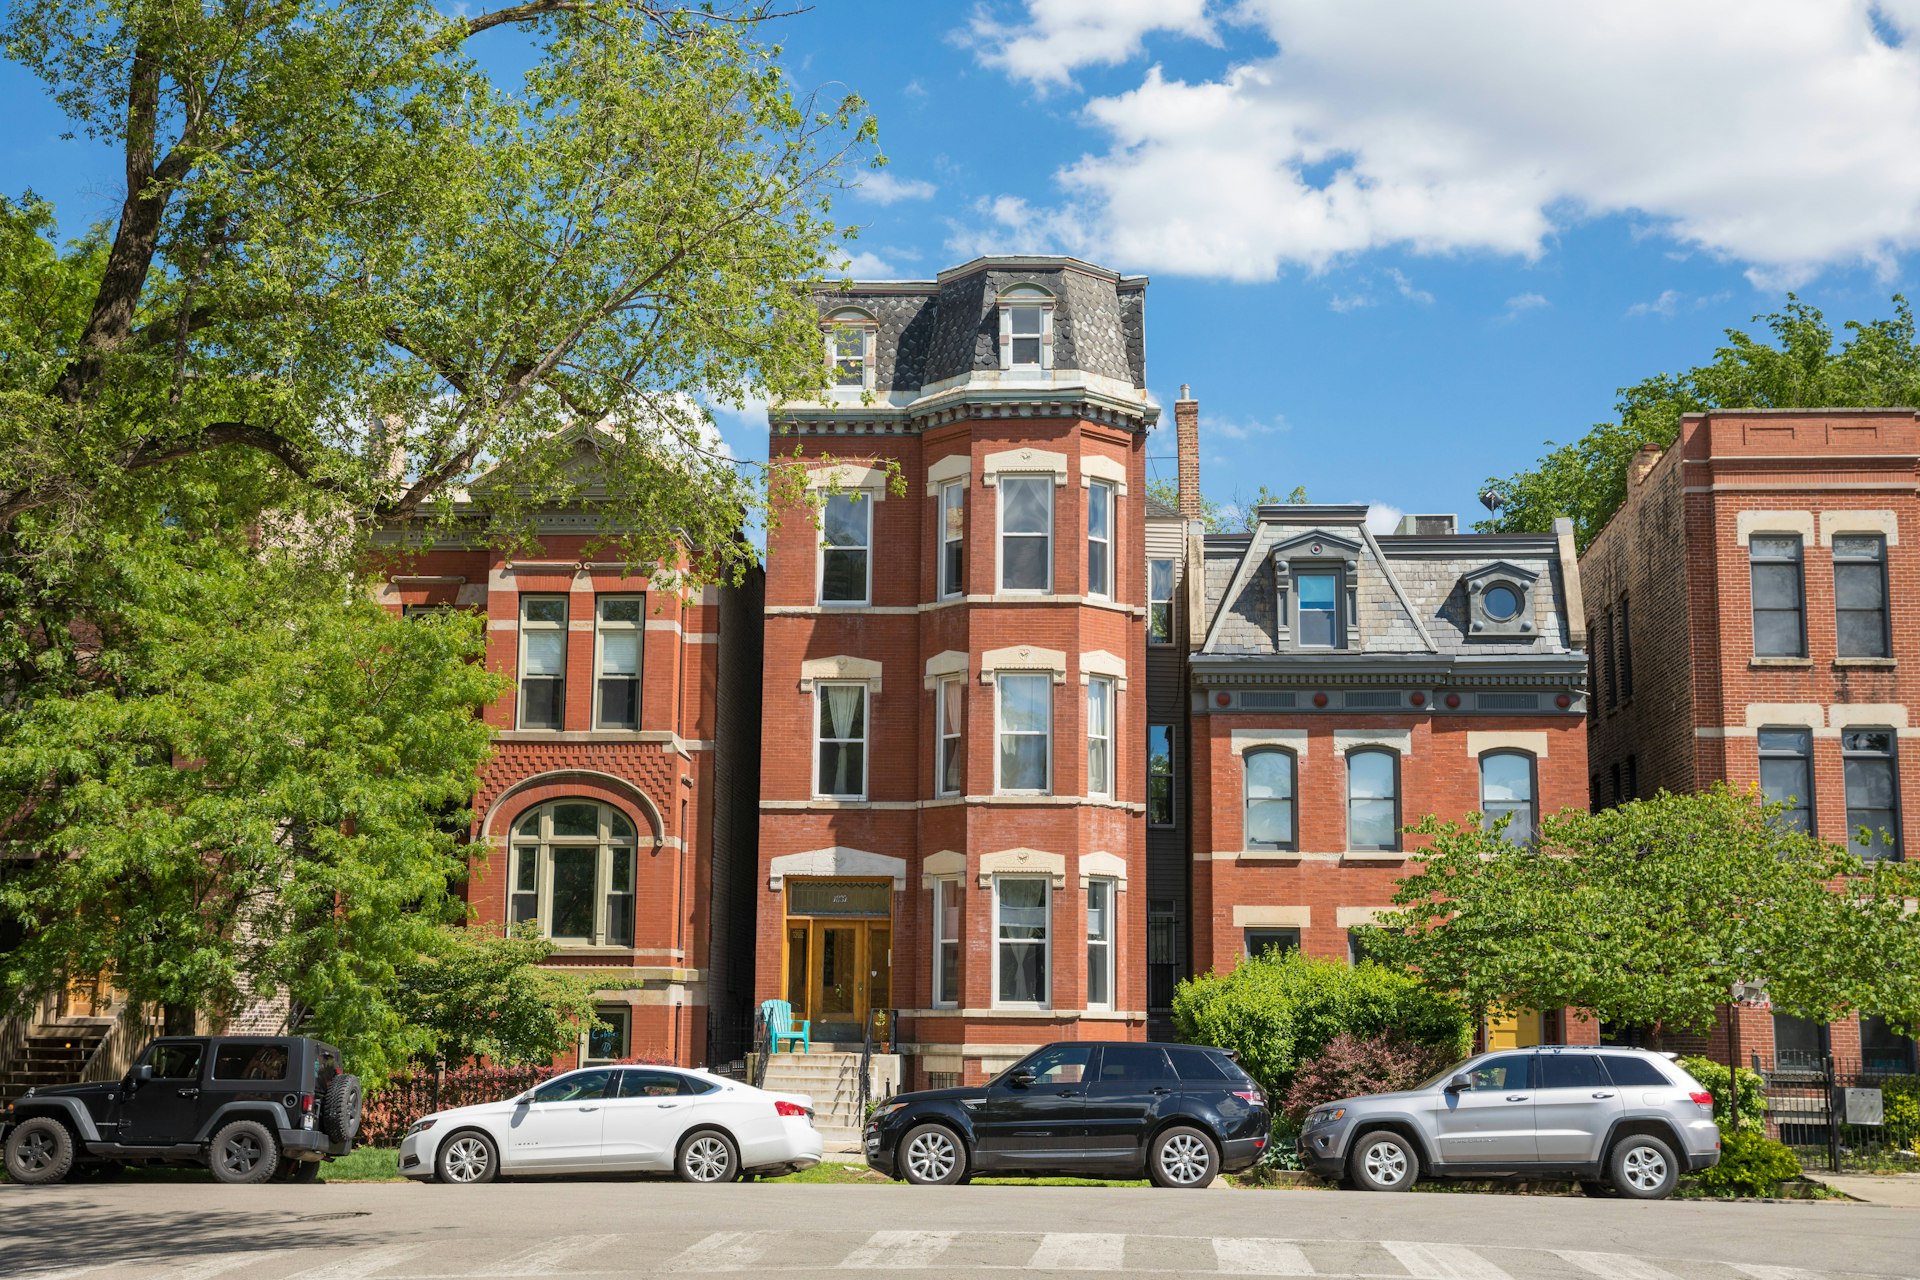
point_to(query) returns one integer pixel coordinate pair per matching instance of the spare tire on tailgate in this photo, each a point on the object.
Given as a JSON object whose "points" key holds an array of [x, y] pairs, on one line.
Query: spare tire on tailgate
{"points": [[340, 1109]]}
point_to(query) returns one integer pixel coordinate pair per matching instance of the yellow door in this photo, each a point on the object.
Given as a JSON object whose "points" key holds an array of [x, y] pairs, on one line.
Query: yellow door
{"points": [[840, 993], [1519, 1030]]}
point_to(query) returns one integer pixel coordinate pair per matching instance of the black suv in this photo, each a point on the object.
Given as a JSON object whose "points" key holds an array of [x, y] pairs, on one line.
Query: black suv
{"points": [[250, 1108], [1178, 1113]]}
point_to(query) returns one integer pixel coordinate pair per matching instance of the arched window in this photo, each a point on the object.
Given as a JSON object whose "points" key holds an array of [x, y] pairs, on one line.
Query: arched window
{"points": [[1270, 790], [1373, 800], [572, 873], [1506, 787]]}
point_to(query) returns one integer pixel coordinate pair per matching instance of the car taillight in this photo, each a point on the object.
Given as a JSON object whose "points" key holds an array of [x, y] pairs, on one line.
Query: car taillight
{"points": [[306, 1104], [1702, 1097], [1251, 1096], [790, 1109]]}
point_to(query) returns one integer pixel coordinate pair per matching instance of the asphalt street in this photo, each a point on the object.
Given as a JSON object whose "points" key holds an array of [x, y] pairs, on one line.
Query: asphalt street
{"points": [[195, 1231]]}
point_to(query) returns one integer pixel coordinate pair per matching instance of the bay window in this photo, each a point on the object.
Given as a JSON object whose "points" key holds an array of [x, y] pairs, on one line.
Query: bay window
{"points": [[953, 548], [1023, 941], [1100, 737], [1100, 900], [840, 736], [946, 943], [846, 548], [1026, 533], [1026, 732], [1100, 539], [950, 761]]}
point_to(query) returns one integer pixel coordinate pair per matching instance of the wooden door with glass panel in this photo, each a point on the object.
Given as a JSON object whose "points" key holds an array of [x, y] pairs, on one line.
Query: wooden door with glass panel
{"points": [[839, 961]]}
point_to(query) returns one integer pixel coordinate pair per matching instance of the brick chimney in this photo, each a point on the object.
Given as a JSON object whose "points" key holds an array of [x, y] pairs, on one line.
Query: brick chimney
{"points": [[1642, 462], [1186, 428]]}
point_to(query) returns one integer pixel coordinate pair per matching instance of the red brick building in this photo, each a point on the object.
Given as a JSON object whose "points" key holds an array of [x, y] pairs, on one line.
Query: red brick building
{"points": [[1753, 605], [952, 793], [603, 815]]}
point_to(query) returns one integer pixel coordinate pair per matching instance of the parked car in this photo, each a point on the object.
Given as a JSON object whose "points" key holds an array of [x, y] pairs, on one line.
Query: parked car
{"points": [[1179, 1114], [618, 1119], [1622, 1121], [250, 1108]]}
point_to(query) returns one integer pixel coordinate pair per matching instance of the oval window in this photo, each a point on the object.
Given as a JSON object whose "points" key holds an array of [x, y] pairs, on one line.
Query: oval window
{"points": [[1502, 602]]}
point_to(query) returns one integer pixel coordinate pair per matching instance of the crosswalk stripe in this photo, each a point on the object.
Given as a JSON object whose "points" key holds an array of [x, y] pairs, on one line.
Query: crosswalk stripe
{"points": [[218, 1264], [361, 1265], [546, 1259], [1077, 1251], [1250, 1255], [721, 1251], [1761, 1271], [1613, 1266], [1442, 1261], [893, 1249]]}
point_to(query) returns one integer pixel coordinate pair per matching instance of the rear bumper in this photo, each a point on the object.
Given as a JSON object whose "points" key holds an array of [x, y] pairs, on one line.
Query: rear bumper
{"points": [[1237, 1154]]}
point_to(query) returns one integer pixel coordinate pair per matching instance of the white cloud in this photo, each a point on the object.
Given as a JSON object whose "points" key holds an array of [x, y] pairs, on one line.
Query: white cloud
{"points": [[870, 266], [1345, 302], [1242, 429], [1780, 134], [1521, 303], [914, 89], [1382, 518], [1055, 37], [883, 188], [1665, 305], [1406, 289]]}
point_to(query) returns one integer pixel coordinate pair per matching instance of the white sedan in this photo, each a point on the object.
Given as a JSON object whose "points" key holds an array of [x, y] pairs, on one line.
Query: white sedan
{"points": [[618, 1119]]}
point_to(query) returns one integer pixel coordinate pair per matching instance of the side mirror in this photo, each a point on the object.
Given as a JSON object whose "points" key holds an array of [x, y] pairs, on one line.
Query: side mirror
{"points": [[140, 1074], [1460, 1083], [1021, 1079]]}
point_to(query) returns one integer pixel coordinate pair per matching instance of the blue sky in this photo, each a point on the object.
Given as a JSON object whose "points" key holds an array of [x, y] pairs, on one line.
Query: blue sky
{"points": [[1395, 247]]}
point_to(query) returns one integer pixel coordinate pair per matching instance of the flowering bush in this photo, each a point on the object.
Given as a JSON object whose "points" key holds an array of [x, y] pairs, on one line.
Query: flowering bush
{"points": [[1352, 1065]]}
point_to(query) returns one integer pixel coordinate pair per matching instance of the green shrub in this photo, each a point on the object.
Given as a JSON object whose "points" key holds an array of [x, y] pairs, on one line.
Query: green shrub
{"points": [[1750, 1165], [1901, 1098], [1279, 1012], [1753, 1100]]}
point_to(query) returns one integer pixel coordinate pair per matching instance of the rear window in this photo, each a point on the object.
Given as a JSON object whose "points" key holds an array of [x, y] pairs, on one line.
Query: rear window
{"points": [[250, 1062], [1197, 1065], [1629, 1070], [1131, 1063]]}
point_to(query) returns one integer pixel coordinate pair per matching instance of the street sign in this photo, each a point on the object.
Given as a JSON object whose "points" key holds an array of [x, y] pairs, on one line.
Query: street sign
{"points": [[1862, 1106]]}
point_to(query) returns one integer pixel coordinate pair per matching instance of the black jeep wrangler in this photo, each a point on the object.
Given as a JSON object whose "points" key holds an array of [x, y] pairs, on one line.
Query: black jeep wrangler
{"points": [[250, 1108]]}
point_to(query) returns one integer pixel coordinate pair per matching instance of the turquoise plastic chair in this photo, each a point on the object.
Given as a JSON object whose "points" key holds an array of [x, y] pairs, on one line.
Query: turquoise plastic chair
{"points": [[781, 1026]]}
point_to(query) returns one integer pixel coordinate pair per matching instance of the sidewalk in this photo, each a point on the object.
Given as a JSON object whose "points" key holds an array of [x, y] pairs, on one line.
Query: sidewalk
{"points": [[1900, 1190]]}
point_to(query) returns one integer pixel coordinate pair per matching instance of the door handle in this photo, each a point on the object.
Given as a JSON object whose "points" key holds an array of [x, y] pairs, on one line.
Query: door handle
{"points": [[1602, 1093], [1066, 1093], [186, 1093], [1161, 1090], [668, 1106], [1516, 1097], [589, 1108]]}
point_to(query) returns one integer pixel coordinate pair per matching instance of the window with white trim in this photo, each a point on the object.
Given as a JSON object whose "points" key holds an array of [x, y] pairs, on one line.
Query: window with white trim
{"points": [[846, 548], [851, 335], [1100, 737], [1023, 944], [1506, 792], [1100, 900], [571, 872], [1373, 799], [1026, 329], [1160, 601], [1025, 709], [950, 757], [1270, 799], [1100, 539], [1026, 533], [840, 737], [946, 943], [1317, 605], [620, 629], [543, 662], [953, 532]]}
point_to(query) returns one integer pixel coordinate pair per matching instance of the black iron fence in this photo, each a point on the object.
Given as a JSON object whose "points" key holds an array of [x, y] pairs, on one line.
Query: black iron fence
{"points": [[1842, 1115]]}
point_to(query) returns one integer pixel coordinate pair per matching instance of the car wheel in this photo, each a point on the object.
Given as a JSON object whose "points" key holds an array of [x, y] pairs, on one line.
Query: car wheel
{"points": [[1642, 1167], [39, 1151], [1383, 1161], [708, 1156], [340, 1109], [1183, 1157], [467, 1159], [297, 1171], [1598, 1190], [932, 1155], [243, 1153]]}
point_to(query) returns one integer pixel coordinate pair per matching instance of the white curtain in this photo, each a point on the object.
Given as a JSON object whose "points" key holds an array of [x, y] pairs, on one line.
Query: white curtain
{"points": [[843, 709]]}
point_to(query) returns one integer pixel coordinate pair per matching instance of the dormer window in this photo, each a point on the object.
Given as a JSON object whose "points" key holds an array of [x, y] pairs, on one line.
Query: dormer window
{"points": [[851, 334], [1500, 602], [1319, 609], [1026, 329]]}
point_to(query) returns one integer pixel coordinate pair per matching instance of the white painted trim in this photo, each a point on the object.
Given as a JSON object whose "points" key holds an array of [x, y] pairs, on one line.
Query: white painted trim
{"points": [[840, 667], [1023, 658], [1023, 461], [1249, 917], [1400, 740], [1294, 740], [1097, 466], [836, 860], [1748, 523], [1481, 741], [1022, 862], [955, 466], [1105, 866], [1885, 523]]}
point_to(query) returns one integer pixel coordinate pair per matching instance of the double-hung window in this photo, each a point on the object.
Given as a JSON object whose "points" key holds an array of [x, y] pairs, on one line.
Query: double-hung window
{"points": [[1026, 533], [1100, 898], [1026, 732], [1023, 942], [1100, 539], [950, 766], [621, 626], [1026, 327], [841, 737], [1873, 793], [1860, 595], [1373, 800], [1786, 774], [1318, 609], [1779, 602], [849, 345], [572, 872], [946, 943], [953, 532], [1159, 601], [1270, 792], [1159, 775], [1506, 792], [543, 662], [846, 548], [1100, 737]]}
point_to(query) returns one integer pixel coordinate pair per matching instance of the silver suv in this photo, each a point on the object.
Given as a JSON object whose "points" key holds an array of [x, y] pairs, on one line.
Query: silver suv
{"points": [[1621, 1121]]}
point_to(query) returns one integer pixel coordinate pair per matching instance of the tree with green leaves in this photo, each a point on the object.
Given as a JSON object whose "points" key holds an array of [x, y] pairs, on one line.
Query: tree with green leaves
{"points": [[1655, 913], [1878, 364], [1215, 517], [478, 993]]}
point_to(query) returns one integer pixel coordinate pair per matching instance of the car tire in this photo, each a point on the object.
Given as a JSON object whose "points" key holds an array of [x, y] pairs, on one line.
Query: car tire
{"points": [[932, 1155], [707, 1155], [39, 1151], [340, 1109], [243, 1153], [1183, 1158], [1598, 1190], [1383, 1161], [467, 1159], [1642, 1167], [299, 1171]]}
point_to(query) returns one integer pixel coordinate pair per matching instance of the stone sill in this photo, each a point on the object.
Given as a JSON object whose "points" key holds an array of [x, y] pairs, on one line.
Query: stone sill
{"points": [[1870, 664], [1804, 663]]}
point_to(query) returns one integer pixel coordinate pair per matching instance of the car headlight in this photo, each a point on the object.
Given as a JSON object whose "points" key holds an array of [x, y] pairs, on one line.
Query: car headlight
{"points": [[880, 1113], [1325, 1116], [420, 1126]]}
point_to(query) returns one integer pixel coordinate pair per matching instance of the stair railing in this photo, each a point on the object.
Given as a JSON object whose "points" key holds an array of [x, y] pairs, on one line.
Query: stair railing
{"points": [[133, 1027], [762, 1044]]}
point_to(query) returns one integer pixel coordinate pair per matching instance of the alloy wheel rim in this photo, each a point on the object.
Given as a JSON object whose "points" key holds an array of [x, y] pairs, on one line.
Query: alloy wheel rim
{"points": [[931, 1156], [466, 1160], [1646, 1169], [1386, 1163], [242, 1154], [707, 1159], [36, 1152], [1184, 1158]]}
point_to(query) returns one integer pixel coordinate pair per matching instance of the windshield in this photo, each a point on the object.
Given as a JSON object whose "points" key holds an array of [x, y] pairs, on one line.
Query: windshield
{"points": [[1437, 1078]]}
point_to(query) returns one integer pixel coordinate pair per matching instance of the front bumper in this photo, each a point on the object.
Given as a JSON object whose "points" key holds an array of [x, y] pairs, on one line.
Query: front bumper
{"points": [[416, 1156], [878, 1151]]}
